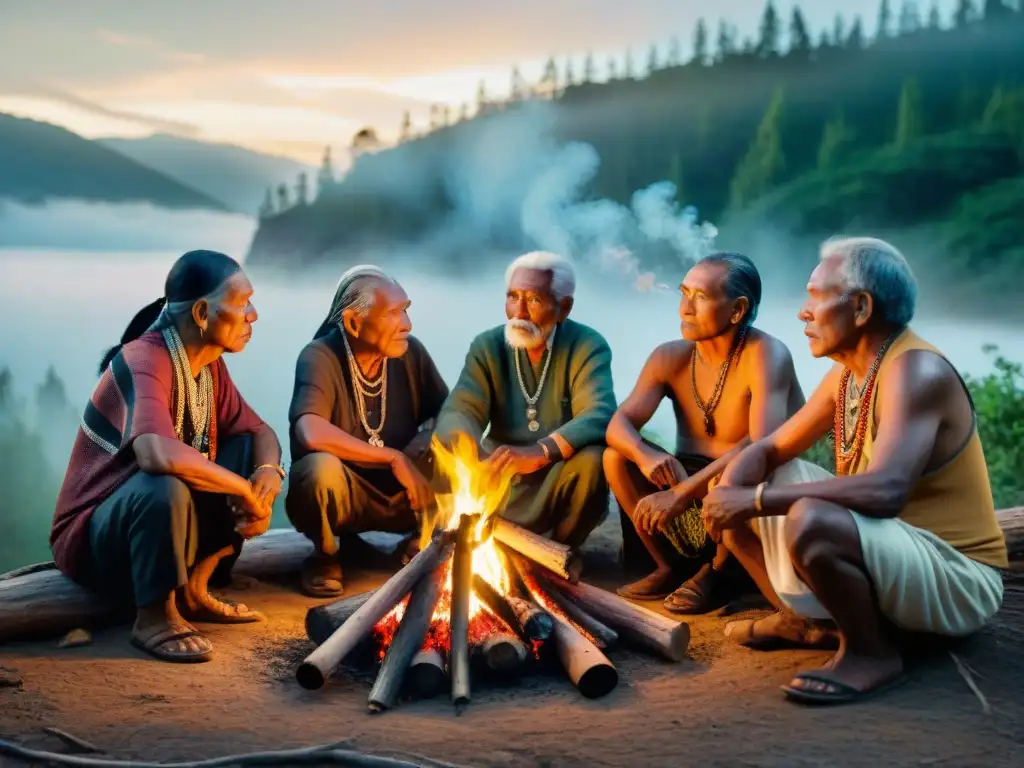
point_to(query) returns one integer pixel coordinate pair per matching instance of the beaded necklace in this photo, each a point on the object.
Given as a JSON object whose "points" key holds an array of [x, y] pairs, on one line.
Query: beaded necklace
{"points": [[198, 394], [848, 450]]}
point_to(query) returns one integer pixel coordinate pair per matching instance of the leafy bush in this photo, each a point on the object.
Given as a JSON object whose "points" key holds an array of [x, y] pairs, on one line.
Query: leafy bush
{"points": [[999, 400]]}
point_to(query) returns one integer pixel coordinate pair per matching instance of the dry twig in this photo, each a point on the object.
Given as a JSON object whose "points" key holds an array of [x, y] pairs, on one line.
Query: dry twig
{"points": [[326, 754], [969, 679]]}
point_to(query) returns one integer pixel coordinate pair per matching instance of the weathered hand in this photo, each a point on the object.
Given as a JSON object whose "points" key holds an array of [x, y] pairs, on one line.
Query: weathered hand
{"points": [[516, 460], [417, 488], [655, 511], [252, 516], [266, 485], [662, 469], [727, 507]]}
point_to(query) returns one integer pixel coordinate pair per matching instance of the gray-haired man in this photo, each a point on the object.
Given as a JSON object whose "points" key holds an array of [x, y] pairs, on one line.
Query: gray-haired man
{"points": [[365, 394]]}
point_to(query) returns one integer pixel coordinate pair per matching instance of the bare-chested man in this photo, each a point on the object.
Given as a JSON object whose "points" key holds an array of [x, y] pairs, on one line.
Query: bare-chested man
{"points": [[728, 383], [906, 538]]}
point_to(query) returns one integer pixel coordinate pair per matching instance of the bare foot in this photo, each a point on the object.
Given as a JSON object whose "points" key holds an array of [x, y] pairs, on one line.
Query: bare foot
{"points": [[653, 586], [782, 629]]}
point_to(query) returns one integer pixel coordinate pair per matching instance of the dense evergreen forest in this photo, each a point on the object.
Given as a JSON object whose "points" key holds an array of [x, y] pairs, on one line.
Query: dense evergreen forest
{"points": [[920, 126]]}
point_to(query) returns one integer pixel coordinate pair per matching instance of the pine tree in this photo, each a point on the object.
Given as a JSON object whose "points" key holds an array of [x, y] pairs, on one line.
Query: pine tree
{"points": [[768, 40], [799, 37], [910, 18], [835, 141], [995, 10], [627, 65], [675, 53], [550, 76], [612, 69], [884, 21], [652, 60], [588, 68], [700, 42], [839, 30], [934, 17], [481, 98], [726, 41], [856, 39], [824, 40], [763, 165], [965, 13], [909, 122], [405, 132], [570, 76]]}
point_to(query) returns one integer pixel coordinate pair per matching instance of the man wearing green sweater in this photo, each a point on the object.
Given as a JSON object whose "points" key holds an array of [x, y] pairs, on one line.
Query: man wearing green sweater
{"points": [[541, 387]]}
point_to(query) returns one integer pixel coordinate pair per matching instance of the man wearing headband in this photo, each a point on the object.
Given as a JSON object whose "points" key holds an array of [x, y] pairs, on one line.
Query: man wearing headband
{"points": [[543, 385], [366, 394], [171, 469]]}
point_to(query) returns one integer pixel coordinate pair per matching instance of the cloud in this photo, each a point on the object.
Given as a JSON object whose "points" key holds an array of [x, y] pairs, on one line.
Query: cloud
{"points": [[148, 44]]}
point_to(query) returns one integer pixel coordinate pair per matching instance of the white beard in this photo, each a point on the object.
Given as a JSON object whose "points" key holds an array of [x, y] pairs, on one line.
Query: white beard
{"points": [[522, 334]]}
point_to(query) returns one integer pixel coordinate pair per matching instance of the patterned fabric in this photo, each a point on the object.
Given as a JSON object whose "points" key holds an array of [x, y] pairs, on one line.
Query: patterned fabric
{"points": [[134, 396]]}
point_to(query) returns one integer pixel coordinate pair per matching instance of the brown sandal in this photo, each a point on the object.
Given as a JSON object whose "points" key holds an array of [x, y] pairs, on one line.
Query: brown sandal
{"points": [[156, 645], [782, 629], [322, 577]]}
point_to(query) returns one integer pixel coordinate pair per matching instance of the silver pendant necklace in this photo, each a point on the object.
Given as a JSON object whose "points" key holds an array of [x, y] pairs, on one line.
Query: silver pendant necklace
{"points": [[531, 401], [364, 388]]}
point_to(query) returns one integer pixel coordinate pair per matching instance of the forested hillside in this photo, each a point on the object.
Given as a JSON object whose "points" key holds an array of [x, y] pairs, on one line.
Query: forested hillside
{"points": [[808, 131]]}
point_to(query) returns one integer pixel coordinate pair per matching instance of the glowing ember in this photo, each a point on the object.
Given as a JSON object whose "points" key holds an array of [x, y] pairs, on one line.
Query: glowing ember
{"points": [[474, 491]]}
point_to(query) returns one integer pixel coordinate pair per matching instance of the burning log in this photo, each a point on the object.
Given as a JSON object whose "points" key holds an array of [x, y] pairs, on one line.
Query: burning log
{"points": [[557, 558], [589, 669], [462, 587], [643, 627], [426, 677], [407, 640], [537, 623], [603, 635], [317, 667], [322, 621], [504, 653]]}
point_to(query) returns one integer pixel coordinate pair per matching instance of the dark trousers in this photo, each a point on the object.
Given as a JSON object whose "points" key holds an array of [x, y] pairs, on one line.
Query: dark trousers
{"points": [[145, 538]]}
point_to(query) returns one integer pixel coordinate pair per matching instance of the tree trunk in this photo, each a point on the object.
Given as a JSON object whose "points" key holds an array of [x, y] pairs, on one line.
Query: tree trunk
{"points": [[322, 621]]}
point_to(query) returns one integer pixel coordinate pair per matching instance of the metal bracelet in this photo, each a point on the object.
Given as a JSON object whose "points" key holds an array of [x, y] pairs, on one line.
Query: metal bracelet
{"points": [[276, 467]]}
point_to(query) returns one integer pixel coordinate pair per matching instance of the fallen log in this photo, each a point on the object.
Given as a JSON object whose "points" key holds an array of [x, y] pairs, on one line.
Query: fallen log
{"points": [[557, 558], [536, 622], [504, 654], [322, 621], [317, 667], [39, 602], [498, 604], [407, 641], [645, 628], [462, 588], [426, 678], [1012, 523], [589, 669], [603, 636]]}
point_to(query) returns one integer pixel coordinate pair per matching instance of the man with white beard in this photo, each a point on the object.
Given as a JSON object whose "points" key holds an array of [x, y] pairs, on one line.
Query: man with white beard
{"points": [[542, 384]]}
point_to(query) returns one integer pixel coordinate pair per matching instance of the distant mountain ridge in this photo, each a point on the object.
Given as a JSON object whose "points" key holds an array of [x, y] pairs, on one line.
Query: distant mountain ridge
{"points": [[40, 162], [235, 176]]}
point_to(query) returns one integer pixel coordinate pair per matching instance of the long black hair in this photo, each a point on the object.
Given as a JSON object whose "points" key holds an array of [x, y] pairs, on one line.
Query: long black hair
{"points": [[194, 275], [742, 279]]}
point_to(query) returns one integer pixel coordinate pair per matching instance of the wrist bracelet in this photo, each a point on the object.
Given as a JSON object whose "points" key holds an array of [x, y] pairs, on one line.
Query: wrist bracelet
{"points": [[758, 497], [550, 448], [276, 467]]}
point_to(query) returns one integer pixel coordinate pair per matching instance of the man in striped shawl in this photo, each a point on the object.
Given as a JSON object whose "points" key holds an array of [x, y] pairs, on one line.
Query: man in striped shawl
{"points": [[366, 394], [161, 476]]}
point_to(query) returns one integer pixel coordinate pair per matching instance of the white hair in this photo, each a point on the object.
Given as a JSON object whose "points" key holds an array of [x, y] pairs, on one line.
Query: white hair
{"points": [[879, 269], [563, 274], [356, 291], [178, 309]]}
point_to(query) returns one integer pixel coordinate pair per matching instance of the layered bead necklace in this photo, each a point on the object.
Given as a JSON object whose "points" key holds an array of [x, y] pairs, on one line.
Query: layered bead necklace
{"points": [[531, 400], [848, 450], [366, 389], [197, 392]]}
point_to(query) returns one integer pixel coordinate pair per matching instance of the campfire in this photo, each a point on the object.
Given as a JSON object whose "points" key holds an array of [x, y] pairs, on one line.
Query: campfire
{"points": [[481, 593]]}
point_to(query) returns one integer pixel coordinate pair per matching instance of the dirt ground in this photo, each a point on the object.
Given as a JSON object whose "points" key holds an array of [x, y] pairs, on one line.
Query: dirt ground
{"points": [[720, 706]]}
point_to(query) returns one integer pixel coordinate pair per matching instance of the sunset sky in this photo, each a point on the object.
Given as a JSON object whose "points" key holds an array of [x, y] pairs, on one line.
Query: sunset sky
{"points": [[291, 78]]}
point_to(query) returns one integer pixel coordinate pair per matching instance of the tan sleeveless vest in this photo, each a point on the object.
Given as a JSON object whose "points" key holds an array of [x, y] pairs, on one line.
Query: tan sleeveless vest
{"points": [[955, 501]]}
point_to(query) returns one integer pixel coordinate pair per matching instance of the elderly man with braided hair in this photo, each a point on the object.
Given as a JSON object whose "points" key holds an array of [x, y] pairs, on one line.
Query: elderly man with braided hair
{"points": [[905, 538], [542, 384], [366, 393]]}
